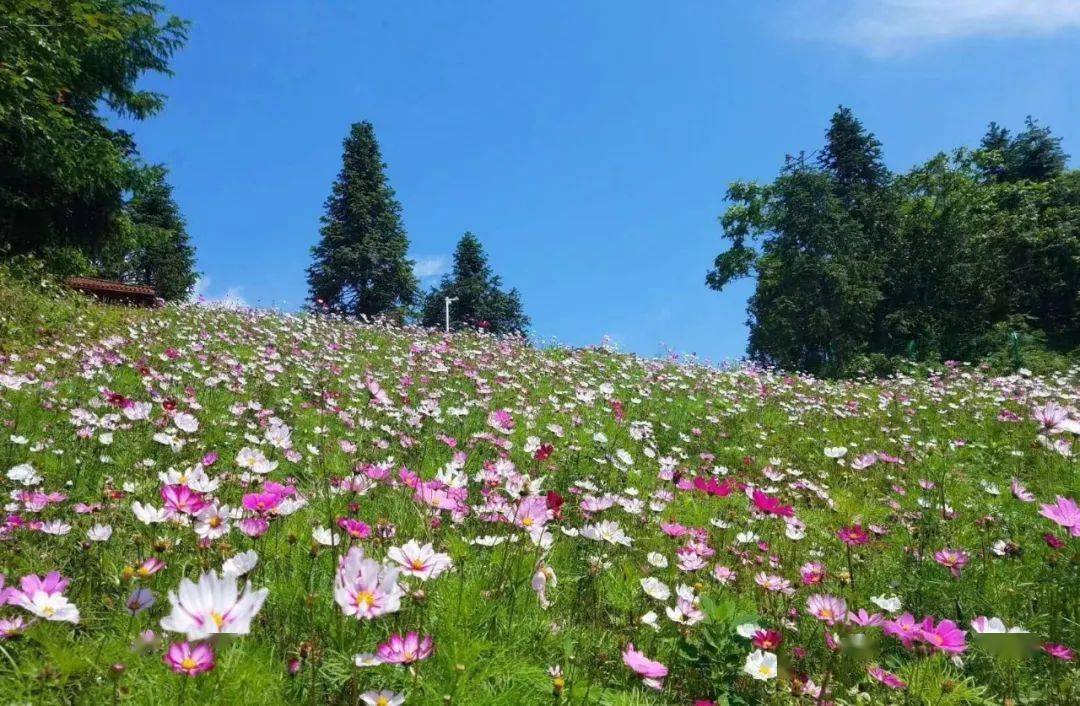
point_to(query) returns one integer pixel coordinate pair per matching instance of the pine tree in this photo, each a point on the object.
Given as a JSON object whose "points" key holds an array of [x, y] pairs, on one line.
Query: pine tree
{"points": [[361, 264], [851, 154], [162, 255], [480, 300]]}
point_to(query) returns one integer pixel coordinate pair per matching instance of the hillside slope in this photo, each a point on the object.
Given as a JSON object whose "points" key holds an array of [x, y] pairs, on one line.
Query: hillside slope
{"points": [[577, 502]]}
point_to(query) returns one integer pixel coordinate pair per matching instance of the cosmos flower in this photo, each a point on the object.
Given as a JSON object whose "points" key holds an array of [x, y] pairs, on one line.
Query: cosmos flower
{"points": [[1064, 512], [651, 672], [212, 606], [952, 559], [191, 660], [364, 588], [828, 609], [761, 665], [423, 562], [405, 650], [607, 531]]}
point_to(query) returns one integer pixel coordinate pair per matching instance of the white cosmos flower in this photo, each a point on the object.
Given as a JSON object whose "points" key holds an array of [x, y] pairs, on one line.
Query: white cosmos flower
{"points": [[99, 533], [186, 422], [607, 531], [24, 473], [212, 606], [657, 559], [148, 514], [650, 619], [240, 564], [212, 521], [137, 411], [55, 527], [835, 451], [889, 603], [655, 588], [747, 630], [761, 665], [50, 606], [423, 562], [325, 537]]}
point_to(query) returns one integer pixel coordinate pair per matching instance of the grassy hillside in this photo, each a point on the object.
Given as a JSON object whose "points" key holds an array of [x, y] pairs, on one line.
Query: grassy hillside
{"points": [[576, 502]]}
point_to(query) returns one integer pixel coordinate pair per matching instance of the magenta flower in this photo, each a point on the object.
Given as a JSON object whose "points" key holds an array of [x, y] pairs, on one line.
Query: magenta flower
{"points": [[853, 536], [944, 636], [952, 559], [1064, 512], [904, 628], [651, 672], [263, 502], [192, 660], [181, 500], [405, 650], [771, 505], [1058, 652], [866, 620], [355, 528]]}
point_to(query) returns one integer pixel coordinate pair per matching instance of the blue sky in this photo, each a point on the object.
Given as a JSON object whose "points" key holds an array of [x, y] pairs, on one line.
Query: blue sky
{"points": [[587, 144]]}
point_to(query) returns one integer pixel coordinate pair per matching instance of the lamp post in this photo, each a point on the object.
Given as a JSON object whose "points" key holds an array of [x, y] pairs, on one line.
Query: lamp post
{"points": [[448, 301]]}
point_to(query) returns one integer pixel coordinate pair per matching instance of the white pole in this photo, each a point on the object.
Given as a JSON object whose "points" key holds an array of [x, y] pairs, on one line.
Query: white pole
{"points": [[448, 300]]}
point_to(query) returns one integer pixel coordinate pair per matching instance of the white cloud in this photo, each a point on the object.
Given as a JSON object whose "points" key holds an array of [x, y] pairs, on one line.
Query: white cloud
{"points": [[232, 298], [889, 27], [433, 266]]}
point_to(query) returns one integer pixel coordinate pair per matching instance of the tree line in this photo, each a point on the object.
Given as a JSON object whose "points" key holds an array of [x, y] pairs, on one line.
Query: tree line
{"points": [[361, 266], [974, 254], [77, 195]]}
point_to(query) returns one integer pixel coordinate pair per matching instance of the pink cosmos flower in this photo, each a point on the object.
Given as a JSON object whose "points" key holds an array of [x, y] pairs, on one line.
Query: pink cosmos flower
{"points": [[263, 502], [181, 500], [192, 660], [1064, 512], [354, 528], [405, 650], [1021, 493], [829, 609], [887, 678], [952, 559], [1058, 652], [853, 536], [771, 505], [904, 628], [501, 420], [651, 671], [1054, 419], [812, 573], [532, 513], [723, 574], [44, 597], [365, 588], [944, 636], [866, 620]]}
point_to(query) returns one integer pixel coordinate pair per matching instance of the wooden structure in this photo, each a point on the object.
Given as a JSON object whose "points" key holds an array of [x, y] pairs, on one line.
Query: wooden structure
{"points": [[114, 292]]}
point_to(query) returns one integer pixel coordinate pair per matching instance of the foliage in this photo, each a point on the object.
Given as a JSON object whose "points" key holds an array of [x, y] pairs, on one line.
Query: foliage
{"points": [[857, 268], [63, 170], [361, 264], [479, 300]]}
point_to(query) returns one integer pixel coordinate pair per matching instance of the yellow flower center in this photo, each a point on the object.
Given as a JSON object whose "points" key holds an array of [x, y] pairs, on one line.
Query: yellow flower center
{"points": [[417, 564], [188, 663], [218, 619], [382, 701], [364, 600], [528, 521], [48, 611]]}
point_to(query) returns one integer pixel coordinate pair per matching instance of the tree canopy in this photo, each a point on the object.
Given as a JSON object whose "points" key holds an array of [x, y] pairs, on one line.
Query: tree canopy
{"points": [[857, 267], [64, 172]]}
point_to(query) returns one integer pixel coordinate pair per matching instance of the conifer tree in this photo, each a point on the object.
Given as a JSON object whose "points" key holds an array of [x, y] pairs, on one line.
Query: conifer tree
{"points": [[361, 265], [479, 298]]}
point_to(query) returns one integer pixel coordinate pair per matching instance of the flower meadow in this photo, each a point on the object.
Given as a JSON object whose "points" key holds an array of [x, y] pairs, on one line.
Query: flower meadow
{"points": [[211, 506]]}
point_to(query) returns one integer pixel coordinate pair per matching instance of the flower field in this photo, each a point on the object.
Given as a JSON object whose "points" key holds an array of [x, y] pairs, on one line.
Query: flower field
{"points": [[208, 506]]}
